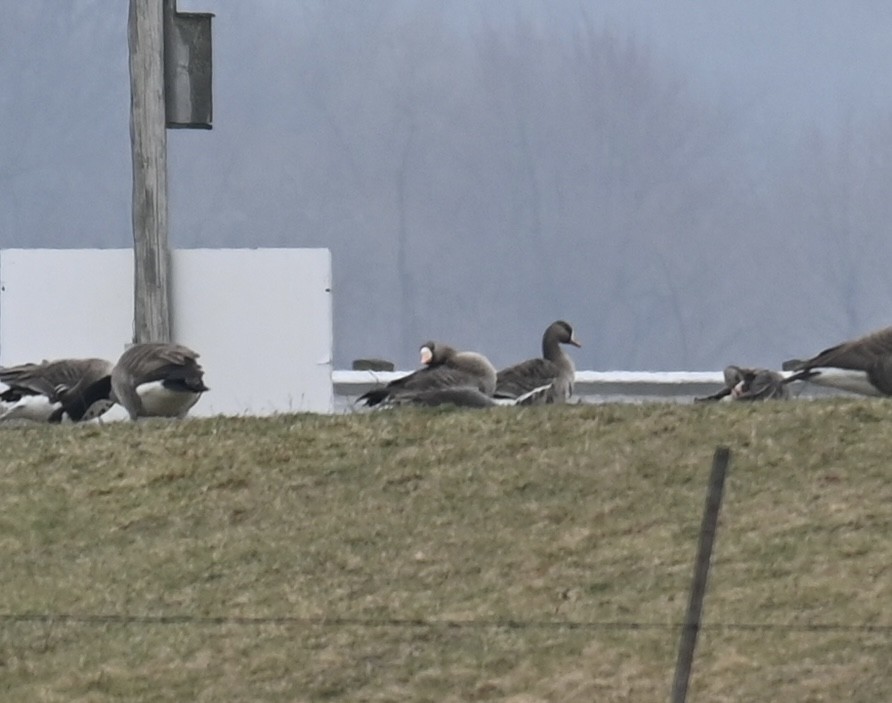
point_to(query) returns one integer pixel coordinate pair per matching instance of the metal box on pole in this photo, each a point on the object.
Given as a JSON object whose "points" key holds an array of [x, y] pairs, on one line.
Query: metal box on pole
{"points": [[187, 68]]}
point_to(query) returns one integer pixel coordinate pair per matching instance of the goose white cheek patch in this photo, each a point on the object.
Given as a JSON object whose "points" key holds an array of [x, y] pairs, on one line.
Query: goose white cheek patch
{"points": [[426, 355]]}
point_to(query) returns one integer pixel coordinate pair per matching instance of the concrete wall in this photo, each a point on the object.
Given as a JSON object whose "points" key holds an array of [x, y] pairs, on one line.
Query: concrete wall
{"points": [[261, 319]]}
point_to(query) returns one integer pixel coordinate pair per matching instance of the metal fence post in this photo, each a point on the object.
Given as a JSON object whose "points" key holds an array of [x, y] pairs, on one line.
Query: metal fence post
{"points": [[708, 526]]}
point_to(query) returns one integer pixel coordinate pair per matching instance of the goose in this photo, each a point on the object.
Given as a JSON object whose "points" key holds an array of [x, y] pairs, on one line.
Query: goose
{"points": [[552, 374], [862, 365], [742, 383], [442, 367], [54, 390], [461, 397], [153, 379]]}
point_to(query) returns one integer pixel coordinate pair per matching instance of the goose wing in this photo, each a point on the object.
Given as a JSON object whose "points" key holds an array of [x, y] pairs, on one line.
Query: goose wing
{"points": [[49, 377], [149, 362], [525, 377], [858, 354], [438, 377], [762, 384], [429, 378], [462, 397], [26, 379], [733, 375]]}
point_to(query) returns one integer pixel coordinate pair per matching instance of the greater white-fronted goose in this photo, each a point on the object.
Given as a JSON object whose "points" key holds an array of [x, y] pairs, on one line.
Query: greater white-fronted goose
{"points": [[742, 383], [442, 367], [461, 397], [153, 379], [862, 365], [54, 390], [553, 373]]}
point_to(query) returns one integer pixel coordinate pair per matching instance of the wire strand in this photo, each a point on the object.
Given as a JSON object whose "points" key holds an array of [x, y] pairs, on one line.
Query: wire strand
{"points": [[485, 623]]}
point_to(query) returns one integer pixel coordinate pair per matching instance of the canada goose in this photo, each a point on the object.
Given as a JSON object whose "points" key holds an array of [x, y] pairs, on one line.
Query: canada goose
{"points": [[554, 371], [153, 379], [52, 390], [862, 365], [442, 367], [743, 383]]}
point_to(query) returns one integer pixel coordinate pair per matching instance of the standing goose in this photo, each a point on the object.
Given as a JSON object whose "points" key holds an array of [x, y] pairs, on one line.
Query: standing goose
{"points": [[53, 390], [743, 383], [862, 365], [442, 368], [551, 376], [153, 379]]}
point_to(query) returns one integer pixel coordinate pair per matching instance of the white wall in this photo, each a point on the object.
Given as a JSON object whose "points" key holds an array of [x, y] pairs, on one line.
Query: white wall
{"points": [[261, 319]]}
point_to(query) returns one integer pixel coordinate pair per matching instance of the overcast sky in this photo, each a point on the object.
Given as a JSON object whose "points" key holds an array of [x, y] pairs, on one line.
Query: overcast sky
{"points": [[772, 116]]}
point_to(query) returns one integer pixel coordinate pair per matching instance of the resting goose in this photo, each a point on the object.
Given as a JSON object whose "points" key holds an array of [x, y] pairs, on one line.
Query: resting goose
{"points": [[38, 391], [862, 365], [153, 379], [743, 383], [443, 367], [462, 397], [552, 375]]}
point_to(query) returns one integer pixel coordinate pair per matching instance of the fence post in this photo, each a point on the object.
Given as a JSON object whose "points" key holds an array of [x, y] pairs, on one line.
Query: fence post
{"points": [[701, 574]]}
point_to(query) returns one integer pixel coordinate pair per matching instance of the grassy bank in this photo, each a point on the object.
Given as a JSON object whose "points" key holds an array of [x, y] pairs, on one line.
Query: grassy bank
{"points": [[513, 555]]}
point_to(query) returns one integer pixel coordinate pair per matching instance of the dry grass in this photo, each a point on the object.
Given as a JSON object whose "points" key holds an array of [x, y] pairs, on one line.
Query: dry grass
{"points": [[349, 527]]}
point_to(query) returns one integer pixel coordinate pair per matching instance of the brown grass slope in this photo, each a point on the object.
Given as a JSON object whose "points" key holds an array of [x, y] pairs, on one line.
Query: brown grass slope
{"points": [[541, 554]]}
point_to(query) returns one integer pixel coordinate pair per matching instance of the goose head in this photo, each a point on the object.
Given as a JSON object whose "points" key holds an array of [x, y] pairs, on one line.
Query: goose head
{"points": [[562, 332], [433, 353]]}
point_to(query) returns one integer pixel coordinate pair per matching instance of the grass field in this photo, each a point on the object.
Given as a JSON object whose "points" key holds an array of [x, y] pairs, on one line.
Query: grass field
{"points": [[541, 554]]}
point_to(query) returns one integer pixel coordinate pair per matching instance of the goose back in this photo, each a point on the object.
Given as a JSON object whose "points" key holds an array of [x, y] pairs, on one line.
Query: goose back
{"points": [[461, 397], [48, 377], [858, 354]]}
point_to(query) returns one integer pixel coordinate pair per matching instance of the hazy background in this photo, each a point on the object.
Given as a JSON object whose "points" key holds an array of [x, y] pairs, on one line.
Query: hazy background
{"points": [[689, 184]]}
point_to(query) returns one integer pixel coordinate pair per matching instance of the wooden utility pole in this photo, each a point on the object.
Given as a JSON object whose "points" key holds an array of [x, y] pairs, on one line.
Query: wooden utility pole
{"points": [[145, 30]]}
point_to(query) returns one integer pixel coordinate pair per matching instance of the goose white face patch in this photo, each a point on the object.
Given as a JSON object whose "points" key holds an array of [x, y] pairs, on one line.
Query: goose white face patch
{"points": [[426, 355]]}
